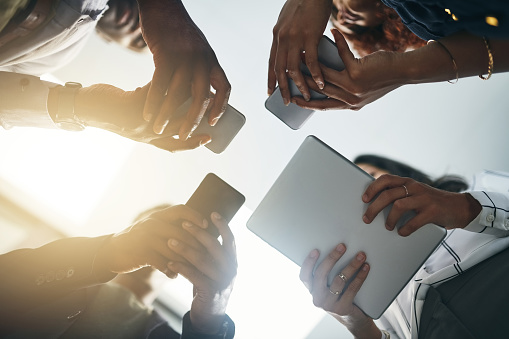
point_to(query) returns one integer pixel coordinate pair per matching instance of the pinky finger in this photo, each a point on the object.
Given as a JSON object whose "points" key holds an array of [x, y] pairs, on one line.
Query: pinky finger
{"points": [[306, 271], [321, 105]]}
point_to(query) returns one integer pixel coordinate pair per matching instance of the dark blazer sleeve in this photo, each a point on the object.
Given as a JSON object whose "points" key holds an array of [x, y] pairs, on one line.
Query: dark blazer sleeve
{"points": [[30, 278]]}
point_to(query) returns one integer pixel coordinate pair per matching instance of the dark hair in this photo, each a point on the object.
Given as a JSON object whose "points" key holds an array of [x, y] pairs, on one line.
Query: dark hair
{"points": [[451, 183], [391, 35]]}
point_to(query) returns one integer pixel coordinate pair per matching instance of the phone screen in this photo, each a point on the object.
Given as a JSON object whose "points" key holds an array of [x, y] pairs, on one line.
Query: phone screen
{"points": [[215, 195]]}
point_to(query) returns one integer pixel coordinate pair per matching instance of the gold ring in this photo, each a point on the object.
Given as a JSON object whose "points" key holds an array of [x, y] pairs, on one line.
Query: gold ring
{"points": [[406, 191], [343, 277]]}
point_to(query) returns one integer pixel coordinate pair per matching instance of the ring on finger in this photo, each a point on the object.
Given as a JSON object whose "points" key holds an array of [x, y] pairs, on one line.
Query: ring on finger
{"points": [[343, 277], [406, 191], [335, 293]]}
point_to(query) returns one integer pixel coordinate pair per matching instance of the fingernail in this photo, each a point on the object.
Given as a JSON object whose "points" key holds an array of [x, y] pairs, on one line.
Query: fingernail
{"points": [[365, 219], [214, 121], [148, 117], [341, 248], [187, 224], [365, 198], [161, 128], [174, 242], [216, 216], [205, 141], [205, 223], [286, 102], [306, 97], [388, 227], [360, 257], [320, 84], [313, 254], [365, 267]]}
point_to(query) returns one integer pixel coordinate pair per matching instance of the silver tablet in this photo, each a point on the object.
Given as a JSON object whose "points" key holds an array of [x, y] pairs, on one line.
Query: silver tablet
{"points": [[316, 203]]}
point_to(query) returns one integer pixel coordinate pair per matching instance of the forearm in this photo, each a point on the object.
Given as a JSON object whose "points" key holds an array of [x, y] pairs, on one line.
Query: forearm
{"points": [[432, 63], [365, 330]]}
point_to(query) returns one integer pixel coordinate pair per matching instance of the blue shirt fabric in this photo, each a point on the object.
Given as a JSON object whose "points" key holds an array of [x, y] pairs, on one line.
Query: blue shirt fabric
{"points": [[428, 19]]}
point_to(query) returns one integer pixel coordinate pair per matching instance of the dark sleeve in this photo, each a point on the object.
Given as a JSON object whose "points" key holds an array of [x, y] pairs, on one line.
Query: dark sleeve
{"points": [[227, 330], [33, 277]]}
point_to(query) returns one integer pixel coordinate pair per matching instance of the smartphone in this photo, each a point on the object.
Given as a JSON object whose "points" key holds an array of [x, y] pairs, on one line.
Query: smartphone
{"points": [[295, 116], [215, 195], [223, 132]]}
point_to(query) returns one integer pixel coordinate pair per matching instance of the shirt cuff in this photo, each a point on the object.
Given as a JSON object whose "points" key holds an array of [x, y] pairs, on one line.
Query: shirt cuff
{"points": [[23, 101], [227, 329], [494, 213]]}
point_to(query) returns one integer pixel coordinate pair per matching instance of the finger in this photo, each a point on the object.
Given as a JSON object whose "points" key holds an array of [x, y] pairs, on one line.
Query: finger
{"points": [[158, 245], [271, 82], [180, 212], [320, 105], [419, 220], [323, 270], [281, 76], [220, 83], [178, 91], [210, 243], [176, 145], [159, 262], [156, 93], [387, 197], [293, 65], [306, 270], [343, 50], [202, 261], [200, 90], [400, 206], [226, 233], [383, 182], [311, 57], [163, 230], [348, 272], [346, 301]]}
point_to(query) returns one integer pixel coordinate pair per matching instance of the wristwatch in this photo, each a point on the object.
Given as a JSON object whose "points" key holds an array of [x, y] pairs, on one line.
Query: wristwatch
{"points": [[65, 118]]}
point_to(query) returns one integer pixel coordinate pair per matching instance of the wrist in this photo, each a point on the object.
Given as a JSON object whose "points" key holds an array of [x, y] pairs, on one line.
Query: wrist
{"points": [[472, 211]]}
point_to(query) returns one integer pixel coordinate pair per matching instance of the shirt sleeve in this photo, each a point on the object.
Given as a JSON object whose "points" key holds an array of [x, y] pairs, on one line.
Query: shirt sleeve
{"points": [[23, 101], [494, 216], [227, 330], [31, 277]]}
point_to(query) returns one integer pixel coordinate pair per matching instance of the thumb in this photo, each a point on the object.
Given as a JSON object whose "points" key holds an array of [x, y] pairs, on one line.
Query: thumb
{"points": [[343, 49]]}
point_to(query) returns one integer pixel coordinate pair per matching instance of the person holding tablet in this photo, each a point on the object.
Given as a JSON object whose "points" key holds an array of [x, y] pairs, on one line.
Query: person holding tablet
{"points": [[459, 292]]}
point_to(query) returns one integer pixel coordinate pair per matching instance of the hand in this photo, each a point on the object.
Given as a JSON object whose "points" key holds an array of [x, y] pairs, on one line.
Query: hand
{"points": [[362, 81], [112, 109], [211, 269], [299, 28], [336, 300], [185, 65], [446, 209], [146, 243]]}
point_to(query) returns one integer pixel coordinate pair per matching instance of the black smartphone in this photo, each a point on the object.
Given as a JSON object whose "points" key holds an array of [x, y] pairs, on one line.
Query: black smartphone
{"points": [[215, 195], [223, 132], [295, 116]]}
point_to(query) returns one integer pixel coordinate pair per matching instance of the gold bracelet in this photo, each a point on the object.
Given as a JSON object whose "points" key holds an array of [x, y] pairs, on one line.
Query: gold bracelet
{"points": [[455, 67], [490, 60]]}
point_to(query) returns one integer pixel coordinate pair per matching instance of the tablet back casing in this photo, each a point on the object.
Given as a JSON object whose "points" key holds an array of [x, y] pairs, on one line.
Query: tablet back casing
{"points": [[316, 203]]}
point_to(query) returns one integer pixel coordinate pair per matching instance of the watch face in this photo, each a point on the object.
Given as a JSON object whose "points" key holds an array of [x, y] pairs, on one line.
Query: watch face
{"points": [[70, 126]]}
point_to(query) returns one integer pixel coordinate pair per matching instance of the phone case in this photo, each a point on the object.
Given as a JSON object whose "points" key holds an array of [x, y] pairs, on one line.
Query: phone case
{"points": [[215, 195]]}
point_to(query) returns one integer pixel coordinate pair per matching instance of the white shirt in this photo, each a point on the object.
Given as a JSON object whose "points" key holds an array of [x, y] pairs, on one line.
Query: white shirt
{"points": [[485, 236]]}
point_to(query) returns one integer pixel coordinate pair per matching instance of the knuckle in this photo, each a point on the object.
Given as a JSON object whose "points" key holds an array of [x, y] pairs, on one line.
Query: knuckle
{"points": [[399, 204]]}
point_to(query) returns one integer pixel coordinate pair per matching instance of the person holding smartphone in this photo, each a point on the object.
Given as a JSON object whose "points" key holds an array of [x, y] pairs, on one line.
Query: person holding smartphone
{"points": [[185, 66], [459, 292], [59, 289], [462, 42]]}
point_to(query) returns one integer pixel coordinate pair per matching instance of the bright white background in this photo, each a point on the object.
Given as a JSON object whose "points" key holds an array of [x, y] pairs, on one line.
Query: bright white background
{"points": [[94, 183]]}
